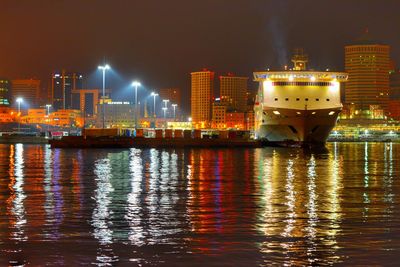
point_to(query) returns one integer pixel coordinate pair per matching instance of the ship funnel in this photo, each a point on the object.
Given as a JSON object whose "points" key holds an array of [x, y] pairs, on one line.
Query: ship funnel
{"points": [[299, 59]]}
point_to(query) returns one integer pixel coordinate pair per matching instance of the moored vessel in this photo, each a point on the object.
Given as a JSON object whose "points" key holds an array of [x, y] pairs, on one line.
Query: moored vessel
{"points": [[297, 107]]}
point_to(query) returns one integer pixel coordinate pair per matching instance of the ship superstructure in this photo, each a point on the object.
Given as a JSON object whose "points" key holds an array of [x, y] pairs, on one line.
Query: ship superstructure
{"points": [[297, 105]]}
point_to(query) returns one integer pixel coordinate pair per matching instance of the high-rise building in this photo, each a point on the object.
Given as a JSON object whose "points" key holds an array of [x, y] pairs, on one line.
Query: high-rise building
{"points": [[27, 89], [62, 84], [233, 92], [368, 63], [172, 94], [202, 92], [4, 92]]}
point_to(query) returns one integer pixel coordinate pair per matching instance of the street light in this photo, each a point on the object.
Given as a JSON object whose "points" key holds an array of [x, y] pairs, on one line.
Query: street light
{"points": [[19, 101], [165, 104], [165, 112], [136, 84], [154, 96], [103, 69], [174, 106], [165, 116]]}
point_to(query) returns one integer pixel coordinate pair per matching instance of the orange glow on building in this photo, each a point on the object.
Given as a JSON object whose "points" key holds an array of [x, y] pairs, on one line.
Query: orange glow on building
{"points": [[202, 89]]}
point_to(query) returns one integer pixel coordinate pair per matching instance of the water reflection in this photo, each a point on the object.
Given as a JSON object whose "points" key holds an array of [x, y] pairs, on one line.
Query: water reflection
{"points": [[135, 208], [17, 195], [102, 217], [256, 207]]}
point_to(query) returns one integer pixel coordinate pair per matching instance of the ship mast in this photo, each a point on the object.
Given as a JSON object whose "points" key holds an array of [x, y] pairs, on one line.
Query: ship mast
{"points": [[299, 59]]}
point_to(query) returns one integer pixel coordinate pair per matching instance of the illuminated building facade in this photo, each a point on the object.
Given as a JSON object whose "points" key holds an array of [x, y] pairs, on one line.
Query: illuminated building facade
{"points": [[4, 92], [36, 115], [62, 85], [117, 114], [66, 118], [233, 92], [27, 89], [368, 63], [235, 120], [202, 90], [218, 115]]}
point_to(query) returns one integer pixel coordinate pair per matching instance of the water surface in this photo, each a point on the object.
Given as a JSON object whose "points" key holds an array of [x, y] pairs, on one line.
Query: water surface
{"points": [[200, 207]]}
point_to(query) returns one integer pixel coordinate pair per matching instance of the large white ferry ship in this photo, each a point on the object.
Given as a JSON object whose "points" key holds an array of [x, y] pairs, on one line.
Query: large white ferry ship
{"points": [[297, 106]]}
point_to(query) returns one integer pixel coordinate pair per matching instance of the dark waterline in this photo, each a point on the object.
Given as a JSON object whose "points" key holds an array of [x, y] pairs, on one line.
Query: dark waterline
{"points": [[200, 207]]}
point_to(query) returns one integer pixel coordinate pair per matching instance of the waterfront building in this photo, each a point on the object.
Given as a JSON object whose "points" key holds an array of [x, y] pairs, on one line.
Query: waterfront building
{"points": [[7, 114], [368, 63], [235, 120], [28, 90], [36, 116], [218, 115], [233, 91], [4, 93], [62, 85], [117, 114], [202, 91], [66, 118]]}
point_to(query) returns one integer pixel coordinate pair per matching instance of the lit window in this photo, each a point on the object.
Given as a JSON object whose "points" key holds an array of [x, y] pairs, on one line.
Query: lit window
{"points": [[331, 113], [276, 112], [313, 113]]}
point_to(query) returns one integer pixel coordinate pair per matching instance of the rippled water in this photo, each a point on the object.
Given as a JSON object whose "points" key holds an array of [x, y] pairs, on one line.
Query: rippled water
{"points": [[200, 207]]}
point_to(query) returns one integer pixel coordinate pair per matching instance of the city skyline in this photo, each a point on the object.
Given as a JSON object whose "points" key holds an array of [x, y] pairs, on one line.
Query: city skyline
{"points": [[143, 44]]}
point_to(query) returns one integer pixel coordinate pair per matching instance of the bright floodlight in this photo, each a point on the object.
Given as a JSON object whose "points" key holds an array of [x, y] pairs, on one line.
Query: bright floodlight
{"points": [[105, 67], [153, 94], [136, 83], [19, 100], [174, 105]]}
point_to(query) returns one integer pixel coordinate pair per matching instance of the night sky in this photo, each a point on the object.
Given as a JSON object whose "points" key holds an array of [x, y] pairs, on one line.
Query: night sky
{"points": [[161, 42]]}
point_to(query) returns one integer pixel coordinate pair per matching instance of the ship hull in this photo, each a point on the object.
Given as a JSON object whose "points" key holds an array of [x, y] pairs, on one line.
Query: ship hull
{"points": [[292, 127]]}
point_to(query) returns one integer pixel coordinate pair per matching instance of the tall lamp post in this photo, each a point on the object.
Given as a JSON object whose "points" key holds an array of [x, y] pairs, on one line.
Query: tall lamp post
{"points": [[165, 116], [136, 84], [153, 94], [19, 101], [174, 106], [103, 69], [165, 103]]}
